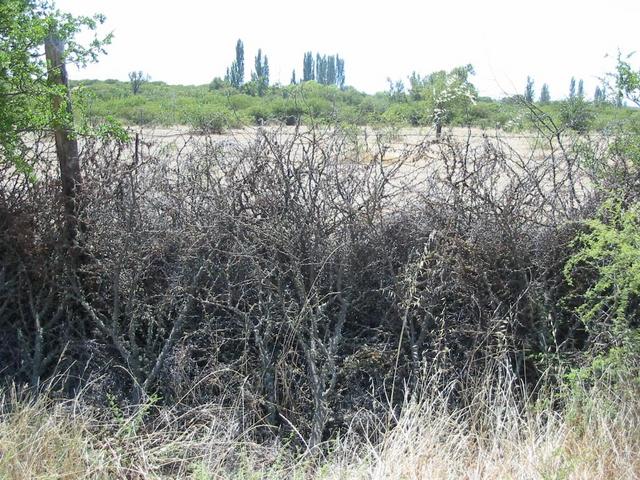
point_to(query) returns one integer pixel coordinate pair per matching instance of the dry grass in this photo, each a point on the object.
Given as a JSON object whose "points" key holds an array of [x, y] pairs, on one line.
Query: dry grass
{"points": [[494, 437]]}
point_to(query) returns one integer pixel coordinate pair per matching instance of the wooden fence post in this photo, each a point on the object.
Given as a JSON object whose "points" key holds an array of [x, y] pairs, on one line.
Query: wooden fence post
{"points": [[66, 147]]}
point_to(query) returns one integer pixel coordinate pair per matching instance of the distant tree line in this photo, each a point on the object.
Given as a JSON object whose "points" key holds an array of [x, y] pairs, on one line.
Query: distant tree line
{"points": [[326, 69], [576, 92], [234, 77]]}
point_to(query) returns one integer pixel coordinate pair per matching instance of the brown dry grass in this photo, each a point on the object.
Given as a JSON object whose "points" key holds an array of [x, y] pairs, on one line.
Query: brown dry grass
{"points": [[493, 438]]}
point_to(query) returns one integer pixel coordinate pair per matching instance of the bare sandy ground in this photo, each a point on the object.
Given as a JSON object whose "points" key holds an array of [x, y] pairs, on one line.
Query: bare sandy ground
{"points": [[400, 139]]}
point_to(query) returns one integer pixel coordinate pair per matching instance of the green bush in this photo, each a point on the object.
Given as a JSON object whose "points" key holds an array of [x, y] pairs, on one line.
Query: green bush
{"points": [[260, 113], [577, 115], [211, 122], [605, 271], [612, 249]]}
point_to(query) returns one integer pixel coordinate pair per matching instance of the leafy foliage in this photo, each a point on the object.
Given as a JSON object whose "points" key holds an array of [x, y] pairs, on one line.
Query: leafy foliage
{"points": [[628, 79], [25, 94], [576, 114], [444, 93], [612, 249], [161, 104], [605, 270]]}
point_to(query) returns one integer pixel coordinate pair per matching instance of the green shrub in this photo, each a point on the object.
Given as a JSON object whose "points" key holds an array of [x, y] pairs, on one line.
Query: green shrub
{"points": [[213, 122], [612, 249], [577, 115], [605, 271], [260, 113], [164, 104], [626, 141]]}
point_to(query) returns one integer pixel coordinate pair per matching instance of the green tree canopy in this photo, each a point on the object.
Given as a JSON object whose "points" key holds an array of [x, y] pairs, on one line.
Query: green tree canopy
{"points": [[627, 80], [25, 93], [444, 93]]}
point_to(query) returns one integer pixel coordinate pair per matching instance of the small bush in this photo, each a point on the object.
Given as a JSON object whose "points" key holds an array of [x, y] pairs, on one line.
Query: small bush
{"points": [[214, 123], [577, 115]]}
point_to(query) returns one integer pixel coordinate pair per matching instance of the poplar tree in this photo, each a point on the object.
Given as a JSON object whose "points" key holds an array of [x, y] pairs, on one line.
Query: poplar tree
{"points": [[331, 70], [321, 69], [326, 69], [581, 89], [572, 88], [529, 93], [308, 67], [235, 73], [261, 73], [545, 97], [340, 71]]}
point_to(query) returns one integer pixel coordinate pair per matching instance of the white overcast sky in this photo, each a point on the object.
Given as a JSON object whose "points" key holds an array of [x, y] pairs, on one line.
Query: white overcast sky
{"points": [[192, 41]]}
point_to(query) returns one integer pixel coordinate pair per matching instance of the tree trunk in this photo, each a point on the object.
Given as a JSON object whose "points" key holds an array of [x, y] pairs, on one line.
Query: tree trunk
{"points": [[66, 148]]}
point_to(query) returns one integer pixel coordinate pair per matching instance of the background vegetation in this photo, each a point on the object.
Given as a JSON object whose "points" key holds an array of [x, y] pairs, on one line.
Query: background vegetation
{"points": [[220, 104]]}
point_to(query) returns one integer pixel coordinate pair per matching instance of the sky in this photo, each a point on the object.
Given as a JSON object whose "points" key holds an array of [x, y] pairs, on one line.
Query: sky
{"points": [[193, 41]]}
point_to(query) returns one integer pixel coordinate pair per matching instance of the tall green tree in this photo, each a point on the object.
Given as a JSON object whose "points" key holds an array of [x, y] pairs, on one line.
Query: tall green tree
{"points": [[261, 73], [545, 96], [580, 93], [308, 67], [340, 78], [416, 86], [25, 91], [321, 69], [529, 92], [572, 87], [235, 73], [331, 70], [326, 69]]}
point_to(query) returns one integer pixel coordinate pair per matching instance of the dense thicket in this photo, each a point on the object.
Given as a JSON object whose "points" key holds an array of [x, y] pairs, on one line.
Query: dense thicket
{"points": [[309, 276], [300, 270]]}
